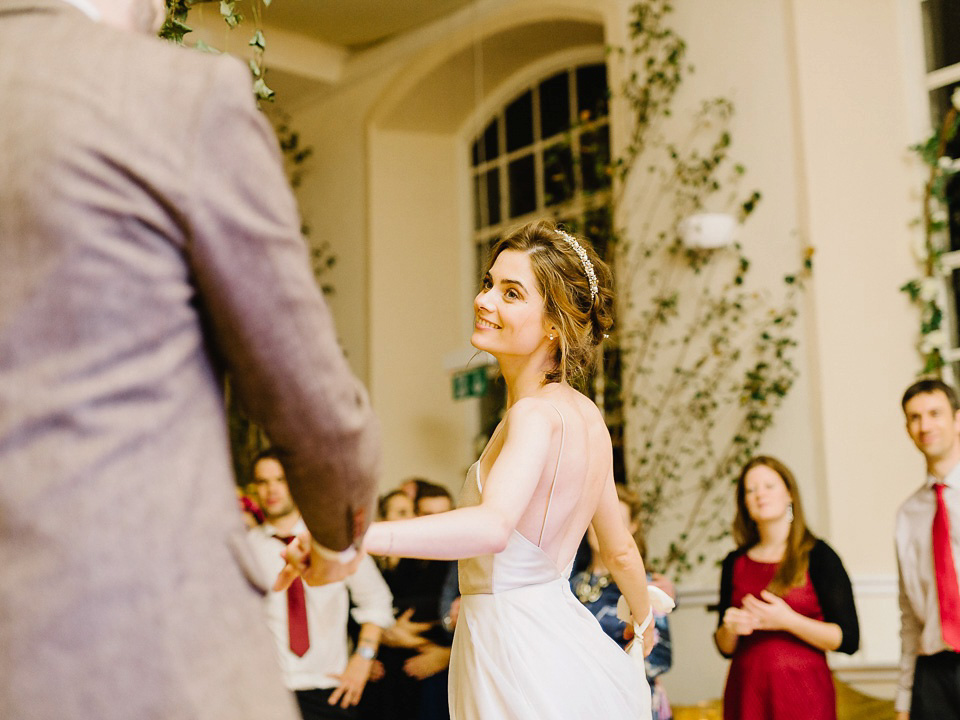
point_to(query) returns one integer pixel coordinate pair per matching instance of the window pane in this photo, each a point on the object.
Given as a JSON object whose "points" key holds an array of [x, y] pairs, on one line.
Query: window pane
{"points": [[483, 258], [599, 230], [519, 117], [940, 102], [493, 196], [592, 92], [558, 183], [477, 202], [941, 24], [523, 194], [554, 105], [487, 146], [595, 158]]}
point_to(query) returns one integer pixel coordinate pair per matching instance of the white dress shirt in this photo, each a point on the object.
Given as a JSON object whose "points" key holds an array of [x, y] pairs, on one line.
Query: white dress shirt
{"points": [[327, 607], [919, 603]]}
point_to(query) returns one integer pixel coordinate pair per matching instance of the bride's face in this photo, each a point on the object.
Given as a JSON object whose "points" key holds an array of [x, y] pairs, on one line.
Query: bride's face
{"points": [[508, 311]]}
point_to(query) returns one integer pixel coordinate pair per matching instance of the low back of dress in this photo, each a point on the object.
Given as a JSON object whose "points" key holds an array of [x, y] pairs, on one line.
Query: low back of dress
{"points": [[525, 648]]}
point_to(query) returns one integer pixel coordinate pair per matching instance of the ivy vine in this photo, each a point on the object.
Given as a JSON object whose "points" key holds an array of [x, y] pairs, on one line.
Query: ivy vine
{"points": [[928, 291], [705, 361]]}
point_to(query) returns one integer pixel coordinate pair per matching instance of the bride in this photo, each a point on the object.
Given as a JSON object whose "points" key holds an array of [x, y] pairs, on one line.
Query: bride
{"points": [[524, 647]]}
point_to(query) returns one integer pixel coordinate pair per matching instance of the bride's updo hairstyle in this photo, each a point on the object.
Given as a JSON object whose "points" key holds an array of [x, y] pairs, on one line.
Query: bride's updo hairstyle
{"points": [[576, 288]]}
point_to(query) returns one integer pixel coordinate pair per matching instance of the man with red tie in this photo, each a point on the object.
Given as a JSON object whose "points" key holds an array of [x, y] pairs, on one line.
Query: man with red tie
{"points": [[309, 623], [929, 686]]}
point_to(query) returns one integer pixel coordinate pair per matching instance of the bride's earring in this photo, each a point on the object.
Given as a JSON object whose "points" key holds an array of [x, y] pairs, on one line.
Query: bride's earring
{"points": [[551, 336], [790, 513]]}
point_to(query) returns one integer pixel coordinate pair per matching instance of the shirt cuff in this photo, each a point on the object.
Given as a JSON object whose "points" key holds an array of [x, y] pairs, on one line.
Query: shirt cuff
{"points": [[902, 701], [340, 556]]}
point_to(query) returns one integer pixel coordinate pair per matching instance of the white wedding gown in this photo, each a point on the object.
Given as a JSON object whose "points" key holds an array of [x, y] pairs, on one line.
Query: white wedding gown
{"points": [[526, 649]]}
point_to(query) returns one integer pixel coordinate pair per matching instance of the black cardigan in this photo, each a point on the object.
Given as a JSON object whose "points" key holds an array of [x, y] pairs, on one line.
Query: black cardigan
{"points": [[830, 583]]}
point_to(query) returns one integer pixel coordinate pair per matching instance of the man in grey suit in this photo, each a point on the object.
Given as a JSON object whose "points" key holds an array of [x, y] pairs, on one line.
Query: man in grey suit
{"points": [[148, 240]]}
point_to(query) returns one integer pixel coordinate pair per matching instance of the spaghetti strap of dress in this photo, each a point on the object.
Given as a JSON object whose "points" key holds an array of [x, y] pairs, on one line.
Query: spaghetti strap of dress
{"points": [[556, 470]]}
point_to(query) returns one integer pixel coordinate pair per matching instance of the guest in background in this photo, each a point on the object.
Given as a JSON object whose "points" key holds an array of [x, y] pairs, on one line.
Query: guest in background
{"points": [[785, 599], [395, 505], [309, 623], [595, 588], [416, 650], [927, 553], [413, 486]]}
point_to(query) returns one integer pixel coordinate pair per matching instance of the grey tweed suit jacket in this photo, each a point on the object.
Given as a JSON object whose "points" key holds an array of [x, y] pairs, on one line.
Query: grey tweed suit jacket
{"points": [[147, 240]]}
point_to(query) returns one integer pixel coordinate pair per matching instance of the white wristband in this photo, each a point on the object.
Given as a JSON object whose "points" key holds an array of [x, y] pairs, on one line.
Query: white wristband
{"points": [[341, 556]]}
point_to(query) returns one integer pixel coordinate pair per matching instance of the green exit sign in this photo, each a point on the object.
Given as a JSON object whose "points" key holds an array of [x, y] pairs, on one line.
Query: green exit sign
{"points": [[470, 383]]}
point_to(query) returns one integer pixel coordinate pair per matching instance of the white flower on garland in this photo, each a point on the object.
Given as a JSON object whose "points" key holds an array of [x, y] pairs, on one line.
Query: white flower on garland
{"points": [[935, 340], [955, 99], [939, 216], [931, 290]]}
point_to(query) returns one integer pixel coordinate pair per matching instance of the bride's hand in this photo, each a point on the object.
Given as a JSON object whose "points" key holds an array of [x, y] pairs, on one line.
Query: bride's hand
{"points": [[304, 558], [649, 638]]}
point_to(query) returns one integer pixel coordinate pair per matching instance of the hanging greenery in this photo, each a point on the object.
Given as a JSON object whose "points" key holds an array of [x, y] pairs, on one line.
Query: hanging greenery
{"points": [[175, 28], [928, 291], [705, 360]]}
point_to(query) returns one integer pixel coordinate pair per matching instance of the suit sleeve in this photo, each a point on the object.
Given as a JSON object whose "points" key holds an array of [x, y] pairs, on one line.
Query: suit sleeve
{"points": [[835, 594], [370, 596], [267, 317]]}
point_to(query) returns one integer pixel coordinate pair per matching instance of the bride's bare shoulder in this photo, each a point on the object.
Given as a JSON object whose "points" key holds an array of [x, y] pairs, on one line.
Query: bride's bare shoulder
{"points": [[531, 413]]}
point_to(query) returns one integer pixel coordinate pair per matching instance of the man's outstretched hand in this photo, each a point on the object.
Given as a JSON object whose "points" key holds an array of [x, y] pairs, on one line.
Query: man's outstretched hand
{"points": [[306, 559]]}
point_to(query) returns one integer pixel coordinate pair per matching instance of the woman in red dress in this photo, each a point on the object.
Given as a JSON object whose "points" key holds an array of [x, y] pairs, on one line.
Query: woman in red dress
{"points": [[785, 599]]}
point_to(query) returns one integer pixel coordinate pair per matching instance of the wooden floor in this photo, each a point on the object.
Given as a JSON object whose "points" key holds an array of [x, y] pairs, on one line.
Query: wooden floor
{"points": [[851, 705]]}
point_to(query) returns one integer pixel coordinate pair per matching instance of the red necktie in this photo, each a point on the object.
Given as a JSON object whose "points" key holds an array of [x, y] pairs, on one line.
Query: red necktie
{"points": [[296, 612], [948, 591]]}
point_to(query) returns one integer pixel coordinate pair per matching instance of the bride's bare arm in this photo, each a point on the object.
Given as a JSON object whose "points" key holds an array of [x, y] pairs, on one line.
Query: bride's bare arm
{"points": [[507, 489], [619, 553]]}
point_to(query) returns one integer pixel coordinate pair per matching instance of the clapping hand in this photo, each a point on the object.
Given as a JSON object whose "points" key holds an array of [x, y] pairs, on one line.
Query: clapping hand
{"points": [[770, 612], [405, 633], [739, 621], [429, 660]]}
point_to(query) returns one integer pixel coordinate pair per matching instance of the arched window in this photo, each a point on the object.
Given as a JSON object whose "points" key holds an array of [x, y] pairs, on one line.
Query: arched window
{"points": [[545, 152]]}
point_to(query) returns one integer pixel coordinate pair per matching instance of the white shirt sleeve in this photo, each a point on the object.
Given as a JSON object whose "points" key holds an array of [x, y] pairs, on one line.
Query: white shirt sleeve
{"points": [[370, 595], [910, 629]]}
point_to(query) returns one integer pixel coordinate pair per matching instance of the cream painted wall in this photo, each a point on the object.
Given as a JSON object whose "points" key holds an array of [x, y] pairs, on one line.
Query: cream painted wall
{"points": [[824, 118], [415, 256], [334, 201], [854, 127]]}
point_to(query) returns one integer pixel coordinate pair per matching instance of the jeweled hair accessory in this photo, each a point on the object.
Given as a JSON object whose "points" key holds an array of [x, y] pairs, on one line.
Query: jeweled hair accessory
{"points": [[582, 254]]}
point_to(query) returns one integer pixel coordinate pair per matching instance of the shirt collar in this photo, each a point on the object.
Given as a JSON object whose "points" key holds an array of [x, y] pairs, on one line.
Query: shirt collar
{"points": [[87, 8], [271, 531], [952, 478]]}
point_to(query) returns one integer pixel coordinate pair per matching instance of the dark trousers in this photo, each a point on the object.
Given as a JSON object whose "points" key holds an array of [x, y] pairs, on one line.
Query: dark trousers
{"points": [[314, 706], [936, 687]]}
